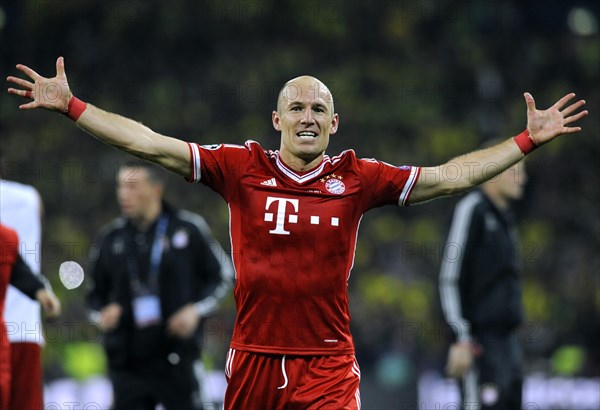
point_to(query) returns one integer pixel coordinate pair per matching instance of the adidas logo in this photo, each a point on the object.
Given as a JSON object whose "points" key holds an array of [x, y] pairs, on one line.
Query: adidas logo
{"points": [[269, 182]]}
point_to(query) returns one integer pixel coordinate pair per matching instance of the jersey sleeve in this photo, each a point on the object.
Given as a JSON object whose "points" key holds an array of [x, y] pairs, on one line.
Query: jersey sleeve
{"points": [[218, 166], [387, 184]]}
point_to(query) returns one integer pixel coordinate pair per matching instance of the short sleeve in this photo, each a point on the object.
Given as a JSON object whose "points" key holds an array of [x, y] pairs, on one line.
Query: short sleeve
{"points": [[387, 184], [218, 166]]}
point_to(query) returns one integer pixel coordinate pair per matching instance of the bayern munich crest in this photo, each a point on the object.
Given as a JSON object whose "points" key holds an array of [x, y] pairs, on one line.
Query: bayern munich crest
{"points": [[335, 186]]}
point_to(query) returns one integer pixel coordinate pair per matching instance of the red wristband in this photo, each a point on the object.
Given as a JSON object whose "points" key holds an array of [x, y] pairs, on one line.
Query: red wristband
{"points": [[525, 142], [75, 108]]}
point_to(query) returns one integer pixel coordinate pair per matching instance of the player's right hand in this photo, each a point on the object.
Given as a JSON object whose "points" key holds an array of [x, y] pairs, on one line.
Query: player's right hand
{"points": [[49, 93]]}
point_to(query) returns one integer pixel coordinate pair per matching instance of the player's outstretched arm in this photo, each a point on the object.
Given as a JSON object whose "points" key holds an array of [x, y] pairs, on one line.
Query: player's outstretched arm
{"points": [[125, 134], [469, 170]]}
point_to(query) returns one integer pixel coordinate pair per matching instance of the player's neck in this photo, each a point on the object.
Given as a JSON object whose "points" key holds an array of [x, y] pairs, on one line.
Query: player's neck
{"points": [[299, 164]]}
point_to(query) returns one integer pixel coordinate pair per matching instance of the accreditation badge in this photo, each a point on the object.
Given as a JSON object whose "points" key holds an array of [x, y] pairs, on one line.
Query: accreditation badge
{"points": [[146, 310]]}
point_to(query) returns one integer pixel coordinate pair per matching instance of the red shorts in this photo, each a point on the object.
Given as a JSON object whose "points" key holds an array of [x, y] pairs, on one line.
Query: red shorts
{"points": [[26, 385], [263, 381]]}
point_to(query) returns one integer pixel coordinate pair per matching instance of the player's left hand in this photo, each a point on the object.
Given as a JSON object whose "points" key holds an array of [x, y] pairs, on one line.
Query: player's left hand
{"points": [[545, 125], [184, 322]]}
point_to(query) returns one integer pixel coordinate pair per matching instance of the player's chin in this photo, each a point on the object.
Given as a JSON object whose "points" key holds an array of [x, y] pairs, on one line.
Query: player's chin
{"points": [[310, 151]]}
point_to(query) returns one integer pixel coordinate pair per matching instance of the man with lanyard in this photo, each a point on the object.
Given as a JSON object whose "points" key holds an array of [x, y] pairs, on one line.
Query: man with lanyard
{"points": [[159, 272]]}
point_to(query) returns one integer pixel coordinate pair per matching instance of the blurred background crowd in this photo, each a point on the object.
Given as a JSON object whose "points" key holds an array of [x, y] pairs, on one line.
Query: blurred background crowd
{"points": [[414, 82]]}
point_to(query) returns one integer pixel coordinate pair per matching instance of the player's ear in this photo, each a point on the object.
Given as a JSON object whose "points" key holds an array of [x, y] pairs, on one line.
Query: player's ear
{"points": [[275, 120], [335, 122]]}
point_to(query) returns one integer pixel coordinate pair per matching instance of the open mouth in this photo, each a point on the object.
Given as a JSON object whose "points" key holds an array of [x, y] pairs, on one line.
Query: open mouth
{"points": [[307, 134]]}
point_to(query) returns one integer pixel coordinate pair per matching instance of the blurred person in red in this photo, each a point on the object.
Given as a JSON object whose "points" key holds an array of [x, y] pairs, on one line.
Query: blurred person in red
{"points": [[14, 271], [21, 209], [294, 217], [480, 291]]}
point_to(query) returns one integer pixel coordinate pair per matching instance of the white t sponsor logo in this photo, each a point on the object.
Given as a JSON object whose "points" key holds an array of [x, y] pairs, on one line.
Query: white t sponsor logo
{"points": [[281, 214]]}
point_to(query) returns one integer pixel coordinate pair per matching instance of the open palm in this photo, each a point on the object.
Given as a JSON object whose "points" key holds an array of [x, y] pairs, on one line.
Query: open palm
{"points": [[49, 93], [545, 125]]}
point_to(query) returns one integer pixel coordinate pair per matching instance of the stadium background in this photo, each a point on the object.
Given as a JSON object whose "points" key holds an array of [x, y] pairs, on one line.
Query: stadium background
{"points": [[414, 83]]}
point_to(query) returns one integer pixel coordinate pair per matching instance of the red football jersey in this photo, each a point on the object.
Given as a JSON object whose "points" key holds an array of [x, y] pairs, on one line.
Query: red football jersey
{"points": [[293, 239]]}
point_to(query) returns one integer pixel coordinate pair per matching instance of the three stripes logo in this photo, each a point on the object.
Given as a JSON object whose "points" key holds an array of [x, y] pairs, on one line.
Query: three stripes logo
{"points": [[269, 182]]}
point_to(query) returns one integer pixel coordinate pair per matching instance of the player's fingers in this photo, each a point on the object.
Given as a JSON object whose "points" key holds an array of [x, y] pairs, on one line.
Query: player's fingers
{"points": [[570, 130], [20, 93], [60, 66], [573, 107], [529, 101], [19, 81], [575, 117], [32, 74], [29, 106], [560, 103]]}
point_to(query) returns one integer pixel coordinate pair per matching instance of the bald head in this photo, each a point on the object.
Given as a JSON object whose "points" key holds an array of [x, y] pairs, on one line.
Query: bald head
{"points": [[294, 88]]}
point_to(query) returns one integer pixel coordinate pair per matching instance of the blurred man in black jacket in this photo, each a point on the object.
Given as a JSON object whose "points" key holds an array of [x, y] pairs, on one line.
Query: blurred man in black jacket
{"points": [[480, 289], [159, 272]]}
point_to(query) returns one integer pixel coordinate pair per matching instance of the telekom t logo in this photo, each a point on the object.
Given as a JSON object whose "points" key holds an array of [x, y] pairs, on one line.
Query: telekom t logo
{"points": [[292, 218], [281, 213]]}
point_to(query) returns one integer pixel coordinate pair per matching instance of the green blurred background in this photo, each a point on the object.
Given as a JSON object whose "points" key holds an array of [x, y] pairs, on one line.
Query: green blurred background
{"points": [[414, 83]]}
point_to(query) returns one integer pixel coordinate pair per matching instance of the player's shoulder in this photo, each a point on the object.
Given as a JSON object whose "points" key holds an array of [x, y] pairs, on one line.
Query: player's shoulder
{"points": [[350, 156], [349, 159], [249, 145], [257, 150], [239, 152], [344, 155], [343, 159]]}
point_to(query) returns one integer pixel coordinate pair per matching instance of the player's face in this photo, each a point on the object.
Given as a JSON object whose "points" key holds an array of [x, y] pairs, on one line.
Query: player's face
{"points": [[305, 119], [135, 192]]}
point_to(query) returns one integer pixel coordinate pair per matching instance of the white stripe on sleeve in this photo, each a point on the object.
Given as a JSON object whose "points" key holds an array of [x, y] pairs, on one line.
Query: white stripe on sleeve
{"points": [[195, 162], [408, 186]]}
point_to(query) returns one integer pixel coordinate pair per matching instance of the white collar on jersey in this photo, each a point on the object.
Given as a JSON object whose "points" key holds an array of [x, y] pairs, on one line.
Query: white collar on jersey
{"points": [[294, 175]]}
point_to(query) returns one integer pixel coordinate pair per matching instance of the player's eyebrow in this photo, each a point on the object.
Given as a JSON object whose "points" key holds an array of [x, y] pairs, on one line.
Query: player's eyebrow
{"points": [[313, 105]]}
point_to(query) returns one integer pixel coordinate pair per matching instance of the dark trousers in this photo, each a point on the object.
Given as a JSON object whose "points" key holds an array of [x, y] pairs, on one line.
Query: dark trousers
{"points": [[496, 382], [143, 386]]}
